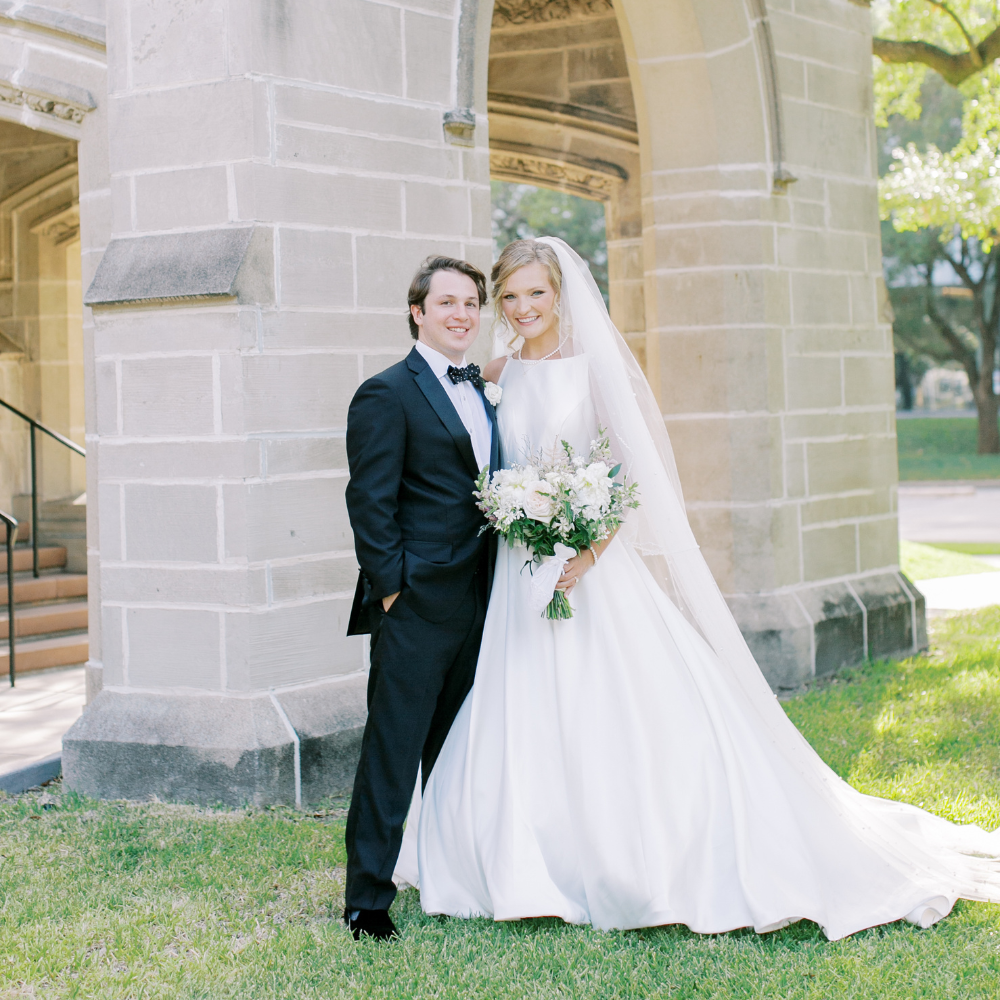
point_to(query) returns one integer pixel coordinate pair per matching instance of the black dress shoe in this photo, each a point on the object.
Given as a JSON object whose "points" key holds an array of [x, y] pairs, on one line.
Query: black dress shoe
{"points": [[372, 923]]}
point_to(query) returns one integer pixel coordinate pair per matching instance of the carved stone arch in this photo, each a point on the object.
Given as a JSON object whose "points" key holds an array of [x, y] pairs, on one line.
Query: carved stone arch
{"points": [[745, 284], [595, 179]]}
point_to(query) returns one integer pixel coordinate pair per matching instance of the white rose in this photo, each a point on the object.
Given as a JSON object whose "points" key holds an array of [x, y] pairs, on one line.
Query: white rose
{"points": [[596, 471], [492, 392], [538, 502], [592, 488]]}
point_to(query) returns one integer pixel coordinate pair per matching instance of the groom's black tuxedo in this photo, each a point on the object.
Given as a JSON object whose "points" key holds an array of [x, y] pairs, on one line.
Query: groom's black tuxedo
{"points": [[416, 524], [416, 532]]}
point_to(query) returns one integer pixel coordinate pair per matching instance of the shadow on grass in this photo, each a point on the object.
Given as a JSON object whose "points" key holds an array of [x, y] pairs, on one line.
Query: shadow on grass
{"points": [[924, 730]]}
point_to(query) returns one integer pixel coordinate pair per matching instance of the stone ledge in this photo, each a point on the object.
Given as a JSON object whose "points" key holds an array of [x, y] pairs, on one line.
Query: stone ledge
{"points": [[231, 262], [186, 748], [13, 76], [44, 95], [778, 634], [55, 20], [211, 749], [815, 631], [31, 775], [838, 626], [329, 719]]}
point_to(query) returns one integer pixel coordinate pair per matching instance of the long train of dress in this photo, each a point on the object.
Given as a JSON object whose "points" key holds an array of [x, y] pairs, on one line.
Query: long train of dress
{"points": [[603, 770]]}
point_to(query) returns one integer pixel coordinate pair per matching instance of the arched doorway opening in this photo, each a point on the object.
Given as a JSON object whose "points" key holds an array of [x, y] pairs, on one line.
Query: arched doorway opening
{"points": [[562, 115], [41, 312]]}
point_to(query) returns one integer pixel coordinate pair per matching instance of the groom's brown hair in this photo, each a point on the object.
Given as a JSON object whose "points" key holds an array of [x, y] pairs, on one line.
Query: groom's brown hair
{"points": [[421, 285]]}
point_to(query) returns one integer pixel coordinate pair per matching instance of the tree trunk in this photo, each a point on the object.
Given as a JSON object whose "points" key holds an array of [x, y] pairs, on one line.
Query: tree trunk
{"points": [[987, 405]]}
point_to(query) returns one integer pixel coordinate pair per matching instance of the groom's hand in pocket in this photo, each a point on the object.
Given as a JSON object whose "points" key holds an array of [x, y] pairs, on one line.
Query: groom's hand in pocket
{"points": [[388, 601]]}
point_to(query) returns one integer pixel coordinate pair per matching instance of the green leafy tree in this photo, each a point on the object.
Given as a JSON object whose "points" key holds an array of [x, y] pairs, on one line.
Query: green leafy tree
{"points": [[953, 199], [942, 198], [958, 40], [521, 211]]}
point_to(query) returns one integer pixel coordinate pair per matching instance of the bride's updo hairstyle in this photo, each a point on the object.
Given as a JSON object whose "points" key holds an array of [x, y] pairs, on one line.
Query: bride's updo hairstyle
{"points": [[513, 257]]}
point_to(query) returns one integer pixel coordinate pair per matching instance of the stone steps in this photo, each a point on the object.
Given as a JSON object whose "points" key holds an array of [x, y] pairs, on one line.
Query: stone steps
{"points": [[45, 619], [50, 587], [41, 654], [50, 616], [49, 557]]}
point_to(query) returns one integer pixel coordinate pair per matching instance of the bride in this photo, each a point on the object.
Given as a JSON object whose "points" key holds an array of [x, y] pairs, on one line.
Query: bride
{"points": [[630, 767]]}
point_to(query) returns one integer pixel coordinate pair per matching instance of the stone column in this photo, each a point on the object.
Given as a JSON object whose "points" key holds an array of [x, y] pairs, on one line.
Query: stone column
{"points": [[765, 340], [277, 173]]}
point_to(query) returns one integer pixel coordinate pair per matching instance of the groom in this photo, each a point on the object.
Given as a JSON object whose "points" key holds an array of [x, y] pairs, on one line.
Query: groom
{"points": [[418, 435]]}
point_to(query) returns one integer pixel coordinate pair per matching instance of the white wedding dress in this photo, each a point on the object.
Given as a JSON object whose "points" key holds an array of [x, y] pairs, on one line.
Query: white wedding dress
{"points": [[604, 771], [630, 767]]}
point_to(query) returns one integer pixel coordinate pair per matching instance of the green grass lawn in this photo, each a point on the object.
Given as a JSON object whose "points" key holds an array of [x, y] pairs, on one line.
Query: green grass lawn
{"points": [[927, 562], [129, 901], [971, 548], [942, 448]]}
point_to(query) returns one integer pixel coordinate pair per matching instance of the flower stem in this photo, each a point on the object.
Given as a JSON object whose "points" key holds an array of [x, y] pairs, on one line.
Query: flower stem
{"points": [[558, 609]]}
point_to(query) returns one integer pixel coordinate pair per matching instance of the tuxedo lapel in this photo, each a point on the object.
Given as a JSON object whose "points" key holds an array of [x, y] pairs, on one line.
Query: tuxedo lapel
{"points": [[433, 391], [494, 432]]}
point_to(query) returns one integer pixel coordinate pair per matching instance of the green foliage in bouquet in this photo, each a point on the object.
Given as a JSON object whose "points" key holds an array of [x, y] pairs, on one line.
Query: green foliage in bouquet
{"points": [[568, 501]]}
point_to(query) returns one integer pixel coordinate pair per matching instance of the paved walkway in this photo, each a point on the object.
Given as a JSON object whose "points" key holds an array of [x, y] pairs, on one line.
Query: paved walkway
{"points": [[954, 512], [36, 712], [960, 593], [950, 512]]}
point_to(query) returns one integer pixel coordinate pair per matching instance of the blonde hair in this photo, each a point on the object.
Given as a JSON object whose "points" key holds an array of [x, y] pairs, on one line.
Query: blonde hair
{"points": [[513, 257]]}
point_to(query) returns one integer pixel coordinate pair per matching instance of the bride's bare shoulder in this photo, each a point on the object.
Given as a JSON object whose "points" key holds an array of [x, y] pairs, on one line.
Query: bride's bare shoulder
{"points": [[492, 371]]}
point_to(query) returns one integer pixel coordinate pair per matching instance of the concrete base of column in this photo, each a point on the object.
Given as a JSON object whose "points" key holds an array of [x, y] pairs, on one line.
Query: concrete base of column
{"points": [[218, 749], [812, 631]]}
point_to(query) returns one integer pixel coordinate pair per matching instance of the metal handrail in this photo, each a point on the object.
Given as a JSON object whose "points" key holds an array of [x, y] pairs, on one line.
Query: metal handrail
{"points": [[56, 436], [11, 523]]}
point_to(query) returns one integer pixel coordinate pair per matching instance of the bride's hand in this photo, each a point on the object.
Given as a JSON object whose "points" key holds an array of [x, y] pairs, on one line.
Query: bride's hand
{"points": [[575, 568]]}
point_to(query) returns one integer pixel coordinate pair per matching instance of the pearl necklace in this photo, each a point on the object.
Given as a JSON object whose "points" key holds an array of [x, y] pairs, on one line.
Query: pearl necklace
{"points": [[531, 362]]}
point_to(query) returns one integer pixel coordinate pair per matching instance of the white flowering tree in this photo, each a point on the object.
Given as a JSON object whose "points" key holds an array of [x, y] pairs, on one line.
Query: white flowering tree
{"points": [[951, 198]]}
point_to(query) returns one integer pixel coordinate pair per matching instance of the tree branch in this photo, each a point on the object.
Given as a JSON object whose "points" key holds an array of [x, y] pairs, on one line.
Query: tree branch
{"points": [[961, 27], [961, 353], [962, 269], [953, 66]]}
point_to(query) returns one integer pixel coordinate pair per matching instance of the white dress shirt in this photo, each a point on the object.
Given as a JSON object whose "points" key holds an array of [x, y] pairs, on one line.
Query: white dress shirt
{"points": [[467, 401]]}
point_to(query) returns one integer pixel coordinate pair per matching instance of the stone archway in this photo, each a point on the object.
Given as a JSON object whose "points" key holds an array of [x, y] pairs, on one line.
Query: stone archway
{"points": [[747, 139]]}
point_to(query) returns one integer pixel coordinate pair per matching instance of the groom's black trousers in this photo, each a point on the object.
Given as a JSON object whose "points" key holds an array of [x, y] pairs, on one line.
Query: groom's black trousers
{"points": [[420, 675]]}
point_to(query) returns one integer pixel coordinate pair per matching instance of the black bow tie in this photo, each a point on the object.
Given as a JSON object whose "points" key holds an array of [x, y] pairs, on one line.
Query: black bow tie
{"points": [[470, 373]]}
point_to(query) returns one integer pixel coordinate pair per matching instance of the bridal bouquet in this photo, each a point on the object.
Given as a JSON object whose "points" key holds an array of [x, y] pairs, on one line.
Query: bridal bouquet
{"points": [[556, 509]]}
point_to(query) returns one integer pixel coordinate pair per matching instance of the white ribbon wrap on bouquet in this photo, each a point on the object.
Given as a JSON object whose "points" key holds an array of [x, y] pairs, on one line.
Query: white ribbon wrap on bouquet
{"points": [[545, 577]]}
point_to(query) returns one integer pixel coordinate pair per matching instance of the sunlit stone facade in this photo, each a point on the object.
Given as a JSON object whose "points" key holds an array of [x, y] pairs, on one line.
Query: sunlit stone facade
{"points": [[256, 183]]}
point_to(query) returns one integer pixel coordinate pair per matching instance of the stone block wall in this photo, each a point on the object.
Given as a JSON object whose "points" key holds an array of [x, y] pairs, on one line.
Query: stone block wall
{"points": [[226, 558]]}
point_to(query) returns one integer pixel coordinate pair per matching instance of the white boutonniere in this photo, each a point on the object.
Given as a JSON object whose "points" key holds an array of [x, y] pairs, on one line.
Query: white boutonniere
{"points": [[493, 393]]}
